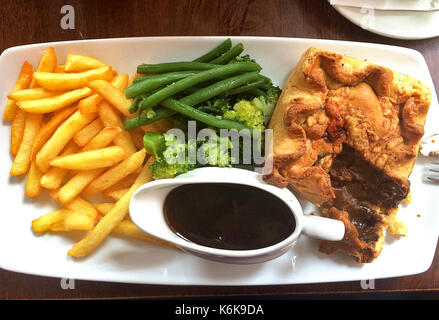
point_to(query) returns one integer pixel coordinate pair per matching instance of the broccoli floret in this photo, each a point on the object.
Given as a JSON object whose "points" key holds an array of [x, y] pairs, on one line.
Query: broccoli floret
{"points": [[180, 121], [266, 103], [163, 170], [216, 153], [172, 156], [248, 112], [154, 144], [244, 58], [270, 100], [221, 104], [253, 112]]}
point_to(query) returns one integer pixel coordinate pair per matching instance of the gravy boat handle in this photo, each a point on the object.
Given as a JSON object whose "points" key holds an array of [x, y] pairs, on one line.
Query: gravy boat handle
{"points": [[323, 228]]}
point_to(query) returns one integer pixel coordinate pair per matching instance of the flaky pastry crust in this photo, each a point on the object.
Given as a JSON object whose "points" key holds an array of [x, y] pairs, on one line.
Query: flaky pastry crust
{"points": [[331, 101]]}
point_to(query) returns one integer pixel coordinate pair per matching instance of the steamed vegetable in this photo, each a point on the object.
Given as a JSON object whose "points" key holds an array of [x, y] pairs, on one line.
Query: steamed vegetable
{"points": [[173, 157], [229, 55], [221, 89], [215, 52], [215, 73]]}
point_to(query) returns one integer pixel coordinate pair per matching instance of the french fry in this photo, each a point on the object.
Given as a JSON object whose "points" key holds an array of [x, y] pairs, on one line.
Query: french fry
{"points": [[51, 137], [117, 194], [17, 130], [62, 220], [59, 68], [49, 128], [82, 178], [116, 173], [47, 64], [165, 124], [78, 63], [89, 104], [32, 94], [112, 95], [78, 204], [126, 182], [90, 160], [53, 178], [83, 206], [152, 127], [76, 184], [83, 136], [137, 137], [61, 137], [54, 103], [104, 207], [111, 119], [103, 139], [120, 82], [22, 160], [71, 81], [107, 224], [23, 82], [33, 185], [23, 155], [127, 228]]}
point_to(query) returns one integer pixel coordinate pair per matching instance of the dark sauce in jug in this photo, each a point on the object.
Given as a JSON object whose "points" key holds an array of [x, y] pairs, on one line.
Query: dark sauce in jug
{"points": [[228, 216]]}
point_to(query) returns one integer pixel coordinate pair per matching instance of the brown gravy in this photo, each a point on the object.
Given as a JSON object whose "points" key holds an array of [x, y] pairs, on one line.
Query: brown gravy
{"points": [[228, 216]]}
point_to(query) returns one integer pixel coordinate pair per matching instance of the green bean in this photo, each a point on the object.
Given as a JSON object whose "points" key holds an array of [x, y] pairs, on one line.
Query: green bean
{"points": [[203, 117], [141, 78], [142, 119], [247, 87], [218, 88], [148, 77], [203, 94], [203, 85], [203, 76], [266, 85], [154, 76], [256, 92], [134, 106], [229, 55], [174, 66], [197, 97], [210, 109], [155, 82], [191, 90], [215, 52]]}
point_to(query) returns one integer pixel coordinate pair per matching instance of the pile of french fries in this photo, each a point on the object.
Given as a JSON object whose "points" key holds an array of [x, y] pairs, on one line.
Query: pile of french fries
{"points": [[67, 136]]}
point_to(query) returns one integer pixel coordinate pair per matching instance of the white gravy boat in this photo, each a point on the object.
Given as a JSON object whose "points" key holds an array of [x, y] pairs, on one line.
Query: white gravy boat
{"points": [[146, 211]]}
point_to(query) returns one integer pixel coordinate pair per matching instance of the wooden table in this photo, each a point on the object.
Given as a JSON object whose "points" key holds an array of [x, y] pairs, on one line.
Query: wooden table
{"points": [[24, 22]]}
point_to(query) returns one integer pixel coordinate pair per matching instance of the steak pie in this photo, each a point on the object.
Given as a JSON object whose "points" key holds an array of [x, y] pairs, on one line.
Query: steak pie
{"points": [[346, 134]]}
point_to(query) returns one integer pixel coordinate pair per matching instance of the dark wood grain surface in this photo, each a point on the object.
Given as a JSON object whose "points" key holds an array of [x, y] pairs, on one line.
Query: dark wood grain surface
{"points": [[25, 22]]}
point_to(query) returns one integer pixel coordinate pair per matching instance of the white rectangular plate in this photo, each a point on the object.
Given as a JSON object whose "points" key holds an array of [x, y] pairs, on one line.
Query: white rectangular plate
{"points": [[133, 261]]}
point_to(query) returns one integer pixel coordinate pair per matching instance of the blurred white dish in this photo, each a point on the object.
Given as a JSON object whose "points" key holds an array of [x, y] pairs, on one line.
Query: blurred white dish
{"points": [[398, 24]]}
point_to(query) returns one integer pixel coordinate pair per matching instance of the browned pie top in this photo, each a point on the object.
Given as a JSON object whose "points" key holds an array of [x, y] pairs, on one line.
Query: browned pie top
{"points": [[330, 100], [346, 135]]}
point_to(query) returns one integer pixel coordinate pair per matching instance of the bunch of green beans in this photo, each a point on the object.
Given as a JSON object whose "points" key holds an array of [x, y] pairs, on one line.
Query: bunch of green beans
{"points": [[154, 93]]}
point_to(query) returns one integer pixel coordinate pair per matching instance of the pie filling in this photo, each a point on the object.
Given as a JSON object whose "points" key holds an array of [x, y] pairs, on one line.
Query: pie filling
{"points": [[352, 175], [358, 187]]}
